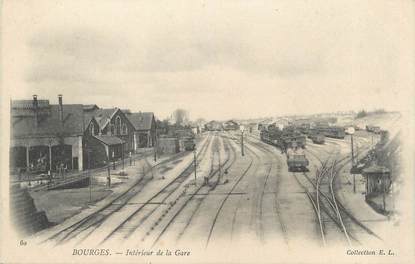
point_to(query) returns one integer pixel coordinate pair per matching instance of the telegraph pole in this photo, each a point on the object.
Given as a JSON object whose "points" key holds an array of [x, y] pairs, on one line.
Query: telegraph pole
{"points": [[109, 173], [155, 154], [351, 132], [242, 140], [194, 160], [155, 145], [220, 168], [89, 172], [122, 155], [113, 160], [351, 140]]}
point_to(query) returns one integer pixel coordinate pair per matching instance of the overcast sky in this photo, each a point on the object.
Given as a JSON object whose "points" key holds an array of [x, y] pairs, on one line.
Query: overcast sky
{"points": [[239, 59]]}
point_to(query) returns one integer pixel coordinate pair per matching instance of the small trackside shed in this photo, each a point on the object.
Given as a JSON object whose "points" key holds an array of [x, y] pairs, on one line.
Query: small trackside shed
{"points": [[378, 180], [168, 145]]}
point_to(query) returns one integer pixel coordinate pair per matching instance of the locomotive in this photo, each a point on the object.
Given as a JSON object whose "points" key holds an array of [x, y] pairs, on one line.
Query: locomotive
{"points": [[296, 160], [189, 143], [290, 141]]}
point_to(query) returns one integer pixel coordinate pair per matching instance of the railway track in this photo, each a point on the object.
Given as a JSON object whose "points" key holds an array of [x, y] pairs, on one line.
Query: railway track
{"points": [[323, 197], [250, 146], [224, 201], [228, 149], [99, 216], [95, 219], [172, 190], [321, 209], [239, 202], [330, 204], [153, 220], [215, 172], [341, 163], [229, 136], [272, 156]]}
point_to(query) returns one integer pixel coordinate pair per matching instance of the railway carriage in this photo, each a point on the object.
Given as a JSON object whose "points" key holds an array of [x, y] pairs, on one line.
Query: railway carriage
{"points": [[332, 132], [317, 138]]}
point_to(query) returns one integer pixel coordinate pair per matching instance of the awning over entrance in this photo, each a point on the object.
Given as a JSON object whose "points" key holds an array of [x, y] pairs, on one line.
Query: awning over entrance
{"points": [[110, 140]]}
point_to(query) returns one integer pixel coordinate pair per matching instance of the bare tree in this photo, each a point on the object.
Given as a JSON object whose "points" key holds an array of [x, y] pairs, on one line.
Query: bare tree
{"points": [[180, 117]]}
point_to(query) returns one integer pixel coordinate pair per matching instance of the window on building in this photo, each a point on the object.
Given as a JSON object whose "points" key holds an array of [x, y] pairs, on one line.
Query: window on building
{"points": [[118, 125], [92, 129], [112, 129], [124, 129]]}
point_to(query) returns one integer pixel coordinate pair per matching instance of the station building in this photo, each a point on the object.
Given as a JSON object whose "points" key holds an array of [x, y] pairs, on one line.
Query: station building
{"points": [[45, 136]]}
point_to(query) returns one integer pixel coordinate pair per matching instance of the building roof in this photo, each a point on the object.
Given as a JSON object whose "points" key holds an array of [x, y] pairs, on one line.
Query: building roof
{"points": [[102, 116], [375, 169], [231, 122], [90, 107], [110, 140], [141, 120], [24, 108], [49, 123]]}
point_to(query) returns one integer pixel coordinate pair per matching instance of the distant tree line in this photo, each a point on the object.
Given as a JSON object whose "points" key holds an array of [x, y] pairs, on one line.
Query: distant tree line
{"points": [[362, 113]]}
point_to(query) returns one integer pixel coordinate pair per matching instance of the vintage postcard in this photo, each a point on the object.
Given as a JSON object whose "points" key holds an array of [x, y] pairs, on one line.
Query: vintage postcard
{"points": [[207, 131]]}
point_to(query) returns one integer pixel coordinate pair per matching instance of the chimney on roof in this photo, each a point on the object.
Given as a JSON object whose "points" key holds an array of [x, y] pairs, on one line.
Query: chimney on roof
{"points": [[35, 109], [60, 109]]}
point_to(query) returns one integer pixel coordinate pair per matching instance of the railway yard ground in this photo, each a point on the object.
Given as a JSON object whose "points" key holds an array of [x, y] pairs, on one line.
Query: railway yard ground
{"points": [[233, 198], [61, 204]]}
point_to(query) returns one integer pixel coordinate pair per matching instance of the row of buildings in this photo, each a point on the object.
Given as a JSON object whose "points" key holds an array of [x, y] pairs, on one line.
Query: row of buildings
{"points": [[49, 137]]}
